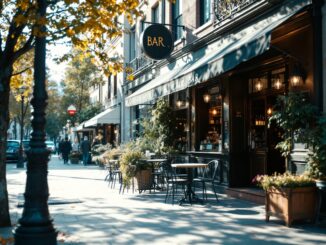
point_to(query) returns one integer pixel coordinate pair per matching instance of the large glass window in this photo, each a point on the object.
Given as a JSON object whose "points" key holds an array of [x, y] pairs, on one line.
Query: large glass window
{"points": [[176, 19], [210, 116], [204, 11]]}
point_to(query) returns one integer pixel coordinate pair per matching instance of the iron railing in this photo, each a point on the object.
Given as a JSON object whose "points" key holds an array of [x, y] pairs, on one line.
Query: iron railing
{"points": [[227, 8], [139, 63]]}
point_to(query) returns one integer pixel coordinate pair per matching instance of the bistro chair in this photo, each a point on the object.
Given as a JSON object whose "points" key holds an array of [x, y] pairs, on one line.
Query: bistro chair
{"points": [[208, 175], [114, 173], [172, 181]]}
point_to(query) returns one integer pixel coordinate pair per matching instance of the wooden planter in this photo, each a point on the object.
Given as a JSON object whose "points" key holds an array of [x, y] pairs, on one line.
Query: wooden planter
{"points": [[74, 160], [144, 180], [291, 204]]}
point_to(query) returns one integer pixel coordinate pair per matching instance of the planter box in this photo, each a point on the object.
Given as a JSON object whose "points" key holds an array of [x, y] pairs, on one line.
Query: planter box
{"points": [[144, 180], [74, 160], [291, 204]]}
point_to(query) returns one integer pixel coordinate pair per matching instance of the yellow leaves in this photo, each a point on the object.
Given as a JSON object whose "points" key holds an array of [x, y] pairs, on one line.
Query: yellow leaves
{"points": [[130, 77], [70, 32], [128, 69], [20, 20]]}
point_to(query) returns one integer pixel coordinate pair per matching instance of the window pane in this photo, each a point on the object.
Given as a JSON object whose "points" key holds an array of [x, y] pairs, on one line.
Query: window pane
{"points": [[132, 47], [177, 20], [205, 11]]}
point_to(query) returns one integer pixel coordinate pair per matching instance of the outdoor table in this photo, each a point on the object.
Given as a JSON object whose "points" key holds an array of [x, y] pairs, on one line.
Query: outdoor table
{"points": [[153, 161], [190, 194]]}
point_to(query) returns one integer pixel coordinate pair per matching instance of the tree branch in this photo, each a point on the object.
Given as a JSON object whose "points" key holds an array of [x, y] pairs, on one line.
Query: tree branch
{"points": [[22, 71], [27, 47]]}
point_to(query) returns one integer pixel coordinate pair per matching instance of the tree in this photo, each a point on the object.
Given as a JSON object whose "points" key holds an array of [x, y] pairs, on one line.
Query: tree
{"points": [[80, 75], [54, 122], [83, 23]]}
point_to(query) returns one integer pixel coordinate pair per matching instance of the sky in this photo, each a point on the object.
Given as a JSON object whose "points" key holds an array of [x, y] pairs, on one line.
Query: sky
{"points": [[56, 71]]}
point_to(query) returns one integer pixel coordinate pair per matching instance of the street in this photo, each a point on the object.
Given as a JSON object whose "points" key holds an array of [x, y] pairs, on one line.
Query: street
{"points": [[86, 211]]}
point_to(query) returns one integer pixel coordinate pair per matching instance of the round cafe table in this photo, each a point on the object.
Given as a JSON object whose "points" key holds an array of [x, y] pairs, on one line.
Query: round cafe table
{"points": [[190, 195]]}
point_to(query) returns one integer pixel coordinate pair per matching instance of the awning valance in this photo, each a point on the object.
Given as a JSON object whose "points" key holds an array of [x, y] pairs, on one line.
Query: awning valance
{"points": [[219, 57], [109, 116]]}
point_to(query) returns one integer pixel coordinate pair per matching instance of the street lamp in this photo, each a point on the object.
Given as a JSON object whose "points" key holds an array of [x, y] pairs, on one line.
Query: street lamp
{"points": [[20, 162], [35, 226]]}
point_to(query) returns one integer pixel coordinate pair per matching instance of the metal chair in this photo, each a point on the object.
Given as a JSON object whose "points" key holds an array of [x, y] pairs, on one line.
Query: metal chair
{"points": [[209, 175], [172, 181]]}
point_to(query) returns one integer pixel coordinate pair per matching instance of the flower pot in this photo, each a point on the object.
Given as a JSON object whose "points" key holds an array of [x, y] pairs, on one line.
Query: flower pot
{"points": [[144, 180], [291, 204], [74, 160]]}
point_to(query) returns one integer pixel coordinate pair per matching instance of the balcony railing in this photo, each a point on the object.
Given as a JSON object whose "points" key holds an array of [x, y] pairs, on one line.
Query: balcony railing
{"points": [[140, 63], [227, 8]]}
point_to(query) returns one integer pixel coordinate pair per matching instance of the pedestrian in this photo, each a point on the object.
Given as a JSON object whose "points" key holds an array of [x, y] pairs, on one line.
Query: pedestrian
{"points": [[60, 148], [85, 147], [75, 145], [65, 150]]}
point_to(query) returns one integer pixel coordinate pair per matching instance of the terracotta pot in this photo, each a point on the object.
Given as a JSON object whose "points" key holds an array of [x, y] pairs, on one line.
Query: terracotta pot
{"points": [[291, 204]]}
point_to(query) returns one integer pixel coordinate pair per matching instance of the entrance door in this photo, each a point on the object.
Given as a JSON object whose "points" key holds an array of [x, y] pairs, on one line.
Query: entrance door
{"points": [[263, 137]]}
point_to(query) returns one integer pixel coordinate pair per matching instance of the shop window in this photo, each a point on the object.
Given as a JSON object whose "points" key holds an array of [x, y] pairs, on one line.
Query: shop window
{"points": [[258, 84], [204, 11], [210, 135], [180, 100]]}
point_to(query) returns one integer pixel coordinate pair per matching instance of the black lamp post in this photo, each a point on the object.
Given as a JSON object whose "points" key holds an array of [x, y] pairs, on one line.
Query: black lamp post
{"points": [[35, 226], [20, 162]]}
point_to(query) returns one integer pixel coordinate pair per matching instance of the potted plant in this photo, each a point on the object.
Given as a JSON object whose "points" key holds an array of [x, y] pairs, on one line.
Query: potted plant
{"points": [[290, 197], [316, 141], [134, 168], [74, 157], [294, 115]]}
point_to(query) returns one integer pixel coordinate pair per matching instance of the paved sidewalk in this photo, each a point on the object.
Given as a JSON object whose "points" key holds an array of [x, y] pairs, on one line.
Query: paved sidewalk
{"points": [[86, 211]]}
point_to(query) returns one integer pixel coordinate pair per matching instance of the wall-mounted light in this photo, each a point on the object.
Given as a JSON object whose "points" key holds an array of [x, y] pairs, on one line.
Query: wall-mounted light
{"points": [[207, 97], [296, 75], [276, 82], [269, 111], [179, 103], [214, 112], [258, 85]]}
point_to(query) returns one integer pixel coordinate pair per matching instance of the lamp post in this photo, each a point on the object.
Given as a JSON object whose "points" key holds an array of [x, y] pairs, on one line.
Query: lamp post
{"points": [[35, 226], [20, 162]]}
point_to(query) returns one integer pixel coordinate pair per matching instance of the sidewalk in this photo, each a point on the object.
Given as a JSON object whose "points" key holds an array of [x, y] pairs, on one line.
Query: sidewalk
{"points": [[86, 211]]}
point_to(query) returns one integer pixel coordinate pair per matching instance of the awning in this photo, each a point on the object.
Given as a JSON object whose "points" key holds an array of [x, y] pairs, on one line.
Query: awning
{"points": [[219, 57], [109, 116], [81, 128]]}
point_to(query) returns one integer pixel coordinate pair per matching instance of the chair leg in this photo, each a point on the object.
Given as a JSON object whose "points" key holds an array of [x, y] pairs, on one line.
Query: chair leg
{"points": [[215, 192], [167, 192]]}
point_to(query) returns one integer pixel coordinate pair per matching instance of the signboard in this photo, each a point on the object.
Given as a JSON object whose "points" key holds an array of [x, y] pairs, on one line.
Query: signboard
{"points": [[71, 110], [157, 42]]}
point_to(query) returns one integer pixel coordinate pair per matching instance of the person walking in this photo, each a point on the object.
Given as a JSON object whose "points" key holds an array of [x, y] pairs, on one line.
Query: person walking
{"points": [[85, 147], [65, 150]]}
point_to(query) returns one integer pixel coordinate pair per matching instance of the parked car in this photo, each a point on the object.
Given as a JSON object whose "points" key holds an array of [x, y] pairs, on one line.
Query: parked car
{"points": [[26, 145], [50, 146], [12, 151]]}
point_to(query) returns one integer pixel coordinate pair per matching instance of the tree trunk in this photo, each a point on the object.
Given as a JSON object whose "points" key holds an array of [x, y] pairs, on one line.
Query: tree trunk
{"points": [[5, 74]]}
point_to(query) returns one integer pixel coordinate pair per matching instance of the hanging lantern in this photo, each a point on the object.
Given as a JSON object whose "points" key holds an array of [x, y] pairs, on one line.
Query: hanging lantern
{"points": [[207, 97]]}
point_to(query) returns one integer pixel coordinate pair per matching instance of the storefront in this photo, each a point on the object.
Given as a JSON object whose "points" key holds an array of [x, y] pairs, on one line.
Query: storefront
{"points": [[224, 95]]}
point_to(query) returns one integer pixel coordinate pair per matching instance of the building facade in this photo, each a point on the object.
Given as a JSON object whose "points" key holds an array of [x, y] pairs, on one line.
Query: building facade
{"points": [[231, 60]]}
